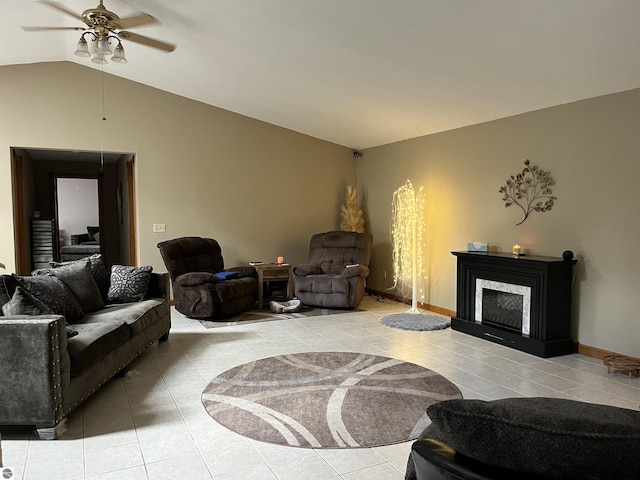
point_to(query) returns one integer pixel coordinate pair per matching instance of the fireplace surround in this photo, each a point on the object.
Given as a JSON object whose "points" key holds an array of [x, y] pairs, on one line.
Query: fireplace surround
{"points": [[523, 302]]}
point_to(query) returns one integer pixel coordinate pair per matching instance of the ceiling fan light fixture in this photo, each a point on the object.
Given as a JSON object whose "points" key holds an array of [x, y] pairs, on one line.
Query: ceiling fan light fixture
{"points": [[82, 49], [118, 54], [103, 47], [99, 59], [102, 25]]}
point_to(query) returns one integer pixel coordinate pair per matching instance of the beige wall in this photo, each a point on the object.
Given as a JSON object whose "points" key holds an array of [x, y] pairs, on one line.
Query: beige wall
{"points": [[259, 189], [263, 190], [592, 149]]}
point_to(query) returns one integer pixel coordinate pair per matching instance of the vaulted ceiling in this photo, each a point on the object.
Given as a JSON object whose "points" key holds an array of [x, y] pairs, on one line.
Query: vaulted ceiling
{"points": [[360, 73]]}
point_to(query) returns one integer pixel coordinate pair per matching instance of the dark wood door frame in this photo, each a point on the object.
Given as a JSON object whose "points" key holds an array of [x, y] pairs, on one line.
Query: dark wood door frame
{"points": [[22, 234], [133, 220], [20, 227]]}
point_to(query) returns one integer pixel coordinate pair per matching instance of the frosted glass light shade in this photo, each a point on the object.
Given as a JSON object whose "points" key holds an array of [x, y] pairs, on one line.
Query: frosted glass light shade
{"points": [[99, 59], [82, 49], [103, 47], [118, 54]]}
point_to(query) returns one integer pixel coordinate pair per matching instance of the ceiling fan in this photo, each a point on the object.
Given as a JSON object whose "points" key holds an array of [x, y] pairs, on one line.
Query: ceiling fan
{"points": [[101, 26]]}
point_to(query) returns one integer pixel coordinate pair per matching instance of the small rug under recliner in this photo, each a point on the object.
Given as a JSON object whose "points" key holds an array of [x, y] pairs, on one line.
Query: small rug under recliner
{"points": [[415, 321]]}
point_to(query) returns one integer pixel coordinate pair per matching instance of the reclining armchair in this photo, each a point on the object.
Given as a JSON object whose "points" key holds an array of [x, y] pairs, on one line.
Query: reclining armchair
{"points": [[337, 269], [202, 287]]}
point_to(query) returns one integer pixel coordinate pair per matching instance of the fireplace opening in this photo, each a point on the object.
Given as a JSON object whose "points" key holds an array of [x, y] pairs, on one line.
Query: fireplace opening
{"points": [[502, 309], [503, 305]]}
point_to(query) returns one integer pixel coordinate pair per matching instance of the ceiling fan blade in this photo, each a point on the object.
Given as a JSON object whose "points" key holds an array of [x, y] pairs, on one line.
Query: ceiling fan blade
{"points": [[137, 20], [149, 42], [63, 9], [39, 29]]}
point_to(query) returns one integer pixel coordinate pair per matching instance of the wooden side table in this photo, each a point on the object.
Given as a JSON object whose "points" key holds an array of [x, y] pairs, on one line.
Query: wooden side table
{"points": [[273, 272]]}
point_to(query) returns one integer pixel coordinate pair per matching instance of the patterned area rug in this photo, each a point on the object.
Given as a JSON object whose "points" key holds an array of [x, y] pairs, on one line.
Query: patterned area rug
{"points": [[415, 321], [327, 399], [265, 315]]}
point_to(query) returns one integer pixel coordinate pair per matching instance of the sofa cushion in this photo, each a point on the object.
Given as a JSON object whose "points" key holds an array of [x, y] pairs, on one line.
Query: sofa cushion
{"points": [[77, 277], [95, 340], [552, 437], [128, 284], [236, 288], [98, 272], [327, 284], [50, 291], [138, 315]]}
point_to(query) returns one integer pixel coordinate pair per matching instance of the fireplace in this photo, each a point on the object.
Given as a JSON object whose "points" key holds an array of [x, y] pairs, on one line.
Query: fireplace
{"points": [[522, 302]]}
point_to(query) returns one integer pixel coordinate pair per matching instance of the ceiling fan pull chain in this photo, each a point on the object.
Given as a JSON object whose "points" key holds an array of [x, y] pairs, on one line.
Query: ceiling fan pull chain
{"points": [[104, 117]]}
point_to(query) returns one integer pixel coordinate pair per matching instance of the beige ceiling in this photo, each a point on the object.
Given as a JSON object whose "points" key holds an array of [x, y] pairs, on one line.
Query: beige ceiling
{"points": [[361, 73]]}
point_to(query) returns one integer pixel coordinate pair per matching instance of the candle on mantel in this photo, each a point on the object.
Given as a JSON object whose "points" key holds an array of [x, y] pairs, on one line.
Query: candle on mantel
{"points": [[280, 260], [516, 249]]}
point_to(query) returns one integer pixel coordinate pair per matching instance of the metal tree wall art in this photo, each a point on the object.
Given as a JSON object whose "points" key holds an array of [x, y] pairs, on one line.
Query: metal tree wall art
{"points": [[529, 190]]}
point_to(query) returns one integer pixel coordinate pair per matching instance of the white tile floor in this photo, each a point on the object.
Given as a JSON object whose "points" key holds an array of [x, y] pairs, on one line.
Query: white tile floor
{"points": [[152, 425]]}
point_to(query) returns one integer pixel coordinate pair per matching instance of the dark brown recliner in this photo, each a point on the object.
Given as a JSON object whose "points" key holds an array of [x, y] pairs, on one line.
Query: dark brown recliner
{"points": [[200, 289], [337, 269]]}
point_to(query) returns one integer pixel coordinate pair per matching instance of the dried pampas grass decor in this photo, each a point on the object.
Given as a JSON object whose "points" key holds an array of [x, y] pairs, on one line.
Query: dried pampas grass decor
{"points": [[352, 219]]}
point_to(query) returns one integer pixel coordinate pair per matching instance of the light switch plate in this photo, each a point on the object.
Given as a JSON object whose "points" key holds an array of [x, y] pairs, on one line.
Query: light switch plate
{"points": [[159, 227]]}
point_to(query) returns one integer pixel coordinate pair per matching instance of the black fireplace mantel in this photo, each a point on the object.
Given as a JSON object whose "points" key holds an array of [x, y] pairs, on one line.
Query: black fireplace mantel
{"points": [[549, 279]]}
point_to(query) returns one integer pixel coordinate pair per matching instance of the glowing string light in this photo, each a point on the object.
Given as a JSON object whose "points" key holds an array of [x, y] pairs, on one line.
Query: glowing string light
{"points": [[407, 229]]}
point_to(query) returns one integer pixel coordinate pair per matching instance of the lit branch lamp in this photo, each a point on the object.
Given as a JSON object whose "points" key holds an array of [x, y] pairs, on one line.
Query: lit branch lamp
{"points": [[407, 228]]}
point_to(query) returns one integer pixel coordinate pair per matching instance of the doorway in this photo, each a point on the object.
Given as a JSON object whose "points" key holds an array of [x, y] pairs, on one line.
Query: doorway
{"points": [[78, 215], [35, 198]]}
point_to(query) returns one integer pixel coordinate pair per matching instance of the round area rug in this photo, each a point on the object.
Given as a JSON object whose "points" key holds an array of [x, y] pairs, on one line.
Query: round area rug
{"points": [[327, 399], [415, 321]]}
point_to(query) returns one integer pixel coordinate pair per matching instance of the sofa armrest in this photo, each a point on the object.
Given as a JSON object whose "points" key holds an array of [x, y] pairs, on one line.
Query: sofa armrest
{"points": [[355, 271], [193, 279], [305, 269], [243, 271], [32, 368]]}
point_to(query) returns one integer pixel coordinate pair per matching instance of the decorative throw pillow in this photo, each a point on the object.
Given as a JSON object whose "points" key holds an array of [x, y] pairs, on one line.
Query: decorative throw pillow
{"points": [[77, 277], [98, 272], [23, 303], [4, 296], [552, 437], [50, 291], [92, 231], [128, 284]]}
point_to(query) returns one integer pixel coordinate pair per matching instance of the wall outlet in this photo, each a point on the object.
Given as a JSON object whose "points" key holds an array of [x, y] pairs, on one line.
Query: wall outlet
{"points": [[159, 227], [384, 274]]}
